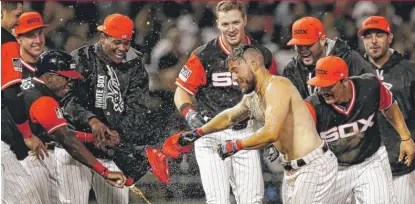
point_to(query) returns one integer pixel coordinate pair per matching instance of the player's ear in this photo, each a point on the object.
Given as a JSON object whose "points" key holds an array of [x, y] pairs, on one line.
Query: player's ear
{"points": [[102, 38], [245, 20], [390, 38], [254, 65], [323, 41], [217, 23]]}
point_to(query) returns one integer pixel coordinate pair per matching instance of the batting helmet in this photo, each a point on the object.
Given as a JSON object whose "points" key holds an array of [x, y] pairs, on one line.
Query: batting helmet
{"points": [[57, 62]]}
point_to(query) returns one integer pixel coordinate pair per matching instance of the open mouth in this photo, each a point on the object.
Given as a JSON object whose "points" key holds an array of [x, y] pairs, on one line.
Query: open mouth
{"points": [[327, 95], [232, 36], [307, 57]]}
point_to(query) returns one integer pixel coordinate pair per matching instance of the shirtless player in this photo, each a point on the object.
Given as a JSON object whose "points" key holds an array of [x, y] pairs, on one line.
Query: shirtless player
{"points": [[276, 105]]}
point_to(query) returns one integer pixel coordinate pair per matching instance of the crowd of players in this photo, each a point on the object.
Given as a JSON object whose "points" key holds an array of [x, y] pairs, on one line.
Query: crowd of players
{"points": [[92, 110]]}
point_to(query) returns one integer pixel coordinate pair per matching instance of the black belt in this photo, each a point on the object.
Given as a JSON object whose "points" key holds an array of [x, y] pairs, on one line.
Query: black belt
{"points": [[50, 146], [301, 162]]}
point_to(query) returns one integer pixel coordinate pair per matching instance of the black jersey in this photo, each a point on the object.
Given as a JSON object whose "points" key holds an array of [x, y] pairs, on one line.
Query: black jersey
{"points": [[398, 75], [352, 132], [45, 113], [206, 76]]}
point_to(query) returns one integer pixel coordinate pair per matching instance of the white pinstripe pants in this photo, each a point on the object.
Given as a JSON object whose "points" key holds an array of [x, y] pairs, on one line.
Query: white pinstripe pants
{"points": [[405, 188], [16, 185], [312, 183], [76, 181], [368, 182], [241, 171], [44, 176]]}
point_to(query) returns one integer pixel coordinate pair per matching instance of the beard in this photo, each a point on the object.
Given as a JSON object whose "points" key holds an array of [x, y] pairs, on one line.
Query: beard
{"points": [[250, 84]]}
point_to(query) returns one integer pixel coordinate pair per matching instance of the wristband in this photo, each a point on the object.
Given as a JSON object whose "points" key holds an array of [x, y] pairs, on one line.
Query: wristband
{"points": [[24, 128], [100, 169], [129, 181], [84, 137], [200, 131], [406, 139], [186, 108], [238, 144]]}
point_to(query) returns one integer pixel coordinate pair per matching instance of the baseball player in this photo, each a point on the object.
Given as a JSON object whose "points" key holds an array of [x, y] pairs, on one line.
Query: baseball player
{"points": [[205, 76], [311, 44], [29, 35], [283, 118], [345, 110], [55, 70], [17, 186], [397, 75], [109, 100]]}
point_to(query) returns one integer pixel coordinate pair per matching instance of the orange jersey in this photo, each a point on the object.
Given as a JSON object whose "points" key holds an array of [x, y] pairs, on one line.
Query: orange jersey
{"points": [[11, 67]]}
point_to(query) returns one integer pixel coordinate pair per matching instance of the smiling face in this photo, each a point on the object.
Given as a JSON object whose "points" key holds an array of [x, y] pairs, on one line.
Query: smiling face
{"points": [[32, 43], [58, 84], [376, 43], [116, 49], [232, 26], [309, 54], [243, 75]]}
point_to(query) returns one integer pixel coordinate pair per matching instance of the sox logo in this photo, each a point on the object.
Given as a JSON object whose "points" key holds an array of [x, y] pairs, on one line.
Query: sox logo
{"points": [[347, 130], [223, 79]]}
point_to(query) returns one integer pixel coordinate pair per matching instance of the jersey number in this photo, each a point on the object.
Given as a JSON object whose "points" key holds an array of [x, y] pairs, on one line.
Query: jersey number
{"points": [[223, 79], [347, 130]]}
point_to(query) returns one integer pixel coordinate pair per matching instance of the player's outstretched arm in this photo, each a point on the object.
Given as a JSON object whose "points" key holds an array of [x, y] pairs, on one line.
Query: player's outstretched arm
{"points": [[227, 118], [67, 138], [395, 118], [277, 100]]}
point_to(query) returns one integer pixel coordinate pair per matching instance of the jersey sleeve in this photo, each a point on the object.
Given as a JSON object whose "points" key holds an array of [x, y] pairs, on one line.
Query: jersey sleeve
{"points": [[192, 75], [386, 97], [47, 112], [11, 66], [312, 110]]}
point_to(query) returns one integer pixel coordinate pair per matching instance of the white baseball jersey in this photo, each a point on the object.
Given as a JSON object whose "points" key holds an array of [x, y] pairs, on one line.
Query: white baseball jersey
{"points": [[76, 180], [241, 171], [16, 184], [44, 176]]}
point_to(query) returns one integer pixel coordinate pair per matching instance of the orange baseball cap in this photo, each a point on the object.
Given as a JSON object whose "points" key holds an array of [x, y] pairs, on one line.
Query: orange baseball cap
{"points": [[306, 31], [118, 26], [329, 70], [29, 21], [374, 22]]}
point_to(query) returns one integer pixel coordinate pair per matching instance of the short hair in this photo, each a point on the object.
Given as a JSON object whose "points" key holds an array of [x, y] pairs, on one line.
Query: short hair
{"points": [[10, 5], [238, 53], [225, 6]]}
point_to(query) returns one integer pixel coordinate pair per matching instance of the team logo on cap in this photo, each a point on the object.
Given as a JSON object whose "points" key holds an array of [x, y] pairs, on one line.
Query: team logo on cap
{"points": [[320, 71], [72, 66], [372, 22], [59, 113], [300, 32], [33, 20], [123, 36]]}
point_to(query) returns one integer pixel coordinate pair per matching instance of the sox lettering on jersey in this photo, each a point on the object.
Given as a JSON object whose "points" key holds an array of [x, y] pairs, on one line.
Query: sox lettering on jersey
{"points": [[347, 130], [223, 79]]}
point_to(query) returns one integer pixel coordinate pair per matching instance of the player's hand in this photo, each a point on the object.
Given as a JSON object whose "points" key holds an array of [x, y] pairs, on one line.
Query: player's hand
{"points": [[37, 148], [229, 148], [408, 149], [187, 138], [116, 179], [271, 152], [99, 130], [194, 119], [112, 137]]}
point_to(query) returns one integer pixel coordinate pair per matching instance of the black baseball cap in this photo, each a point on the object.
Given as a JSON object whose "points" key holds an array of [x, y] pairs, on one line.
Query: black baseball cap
{"points": [[57, 62]]}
